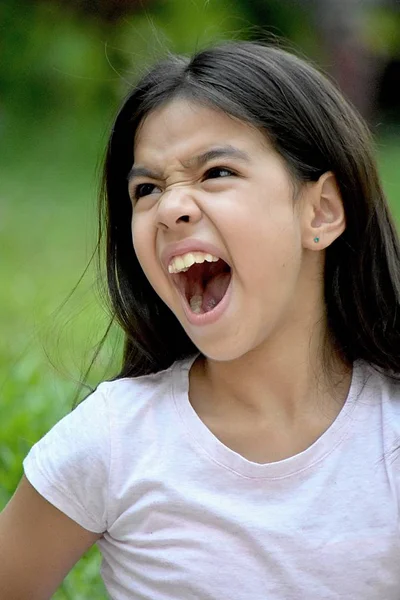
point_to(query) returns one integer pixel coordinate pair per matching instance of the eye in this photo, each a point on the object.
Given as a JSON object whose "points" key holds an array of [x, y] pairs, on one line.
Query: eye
{"points": [[218, 172], [144, 189]]}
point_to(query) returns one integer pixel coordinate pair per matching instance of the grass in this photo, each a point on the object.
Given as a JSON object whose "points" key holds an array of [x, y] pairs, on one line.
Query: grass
{"points": [[47, 232]]}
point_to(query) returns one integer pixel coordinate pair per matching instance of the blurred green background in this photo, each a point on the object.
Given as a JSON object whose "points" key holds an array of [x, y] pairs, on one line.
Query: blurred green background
{"points": [[64, 68]]}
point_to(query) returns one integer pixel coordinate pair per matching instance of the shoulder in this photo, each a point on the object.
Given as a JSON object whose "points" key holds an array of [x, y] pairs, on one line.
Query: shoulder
{"points": [[145, 403], [389, 388], [141, 387], [386, 390], [382, 387], [81, 462], [132, 394]]}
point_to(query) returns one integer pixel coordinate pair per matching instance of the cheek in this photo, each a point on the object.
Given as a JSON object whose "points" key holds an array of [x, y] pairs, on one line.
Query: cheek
{"points": [[281, 261], [263, 246], [143, 245]]}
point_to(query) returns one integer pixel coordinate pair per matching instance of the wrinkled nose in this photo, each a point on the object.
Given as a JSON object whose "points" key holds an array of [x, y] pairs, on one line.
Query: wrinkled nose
{"points": [[176, 208]]}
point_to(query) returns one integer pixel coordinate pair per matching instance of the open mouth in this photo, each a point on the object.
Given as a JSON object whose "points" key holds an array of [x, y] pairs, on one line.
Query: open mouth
{"points": [[203, 285]]}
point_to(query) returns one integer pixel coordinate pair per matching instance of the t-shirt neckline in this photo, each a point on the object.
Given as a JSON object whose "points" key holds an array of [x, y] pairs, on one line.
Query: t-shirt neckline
{"points": [[207, 443]]}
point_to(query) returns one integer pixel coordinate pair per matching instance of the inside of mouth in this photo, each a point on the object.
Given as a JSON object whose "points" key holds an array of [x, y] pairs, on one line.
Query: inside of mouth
{"points": [[204, 285]]}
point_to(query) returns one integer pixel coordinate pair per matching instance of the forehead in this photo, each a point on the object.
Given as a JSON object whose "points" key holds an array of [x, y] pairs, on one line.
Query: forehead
{"points": [[183, 128]]}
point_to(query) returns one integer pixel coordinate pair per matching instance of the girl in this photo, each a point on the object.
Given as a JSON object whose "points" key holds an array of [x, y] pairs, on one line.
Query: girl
{"points": [[247, 448]]}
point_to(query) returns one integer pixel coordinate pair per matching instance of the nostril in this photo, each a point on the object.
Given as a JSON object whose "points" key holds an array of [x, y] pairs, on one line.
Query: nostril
{"points": [[184, 218]]}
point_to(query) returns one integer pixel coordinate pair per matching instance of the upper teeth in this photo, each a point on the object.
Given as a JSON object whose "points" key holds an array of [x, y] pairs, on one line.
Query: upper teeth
{"points": [[182, 263]]}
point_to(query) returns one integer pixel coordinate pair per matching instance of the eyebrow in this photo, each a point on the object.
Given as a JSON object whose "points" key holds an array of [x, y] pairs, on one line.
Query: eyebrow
{"points": [[196, 162]]}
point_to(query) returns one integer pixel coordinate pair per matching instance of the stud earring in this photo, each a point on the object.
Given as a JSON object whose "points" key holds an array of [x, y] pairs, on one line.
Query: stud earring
{"points": [[316, 240]]}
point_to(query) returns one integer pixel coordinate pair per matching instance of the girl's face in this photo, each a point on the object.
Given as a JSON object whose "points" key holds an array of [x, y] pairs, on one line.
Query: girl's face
{"points": [[205, 183]]}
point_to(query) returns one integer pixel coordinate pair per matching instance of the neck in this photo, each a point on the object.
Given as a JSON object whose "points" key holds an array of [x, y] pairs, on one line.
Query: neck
{"points": [[280, 381]]}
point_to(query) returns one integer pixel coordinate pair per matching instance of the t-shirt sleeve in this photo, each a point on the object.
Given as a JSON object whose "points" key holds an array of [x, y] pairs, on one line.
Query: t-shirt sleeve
{"points": [[69, 466]]}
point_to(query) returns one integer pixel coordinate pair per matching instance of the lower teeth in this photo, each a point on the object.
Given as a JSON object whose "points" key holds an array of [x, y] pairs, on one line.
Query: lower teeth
{"points": [[195, 303], [211, 304]]}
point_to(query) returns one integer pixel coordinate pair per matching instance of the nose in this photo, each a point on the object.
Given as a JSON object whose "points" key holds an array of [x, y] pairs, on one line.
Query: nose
{"points": [[176, 207]]}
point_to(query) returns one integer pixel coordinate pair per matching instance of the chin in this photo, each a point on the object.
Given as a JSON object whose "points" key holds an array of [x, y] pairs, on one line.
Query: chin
{"points": [[223, 349]]}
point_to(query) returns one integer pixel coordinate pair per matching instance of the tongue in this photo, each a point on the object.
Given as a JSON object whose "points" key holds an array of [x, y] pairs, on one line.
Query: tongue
{"points": [[215, 290]]}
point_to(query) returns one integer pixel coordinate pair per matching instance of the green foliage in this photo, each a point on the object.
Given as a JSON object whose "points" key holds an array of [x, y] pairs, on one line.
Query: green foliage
{"points": [[389, 160], [56, 61], [47, 234]]}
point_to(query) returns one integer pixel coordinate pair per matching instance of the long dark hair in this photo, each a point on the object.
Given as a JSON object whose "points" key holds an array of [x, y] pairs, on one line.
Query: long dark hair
{"points": [[315, 130]]}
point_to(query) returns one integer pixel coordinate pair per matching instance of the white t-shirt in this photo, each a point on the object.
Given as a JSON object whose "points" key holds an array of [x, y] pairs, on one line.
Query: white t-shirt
{"points": [[186, 518]]}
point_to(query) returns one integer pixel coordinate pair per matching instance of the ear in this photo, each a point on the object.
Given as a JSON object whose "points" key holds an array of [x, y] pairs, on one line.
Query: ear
{"points": [[323, 217]]}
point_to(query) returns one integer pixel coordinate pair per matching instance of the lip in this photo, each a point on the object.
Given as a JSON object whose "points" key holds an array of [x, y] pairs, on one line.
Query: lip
{"points": [[189, 245]]}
